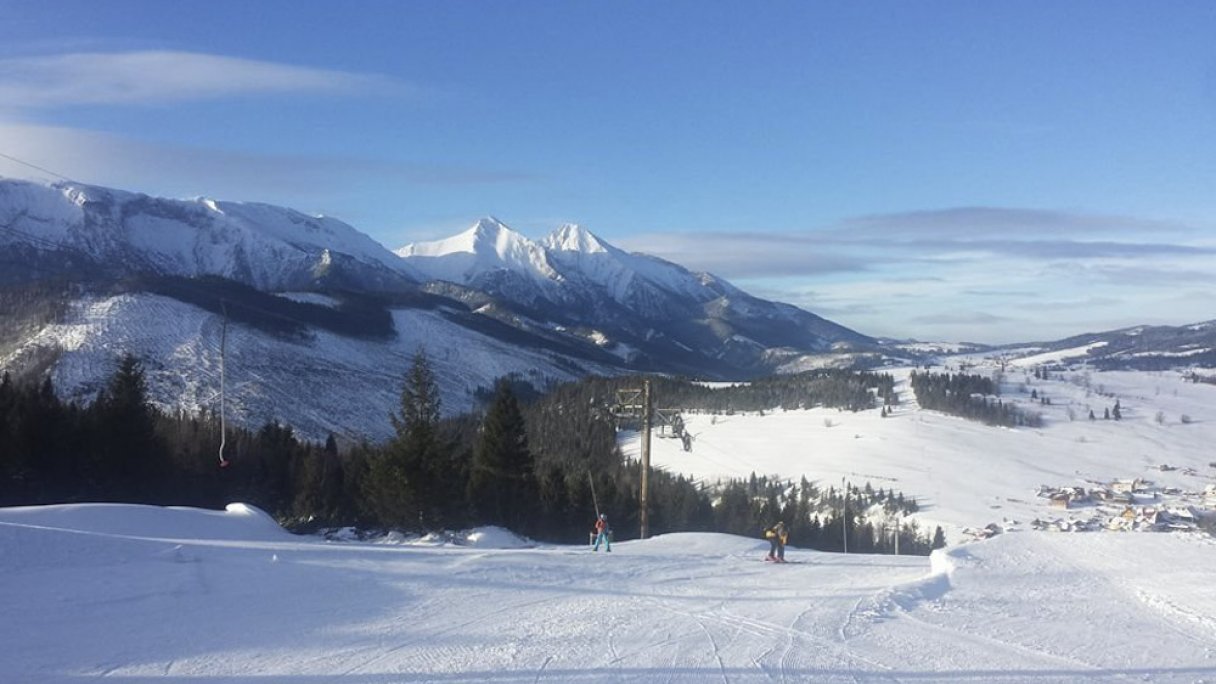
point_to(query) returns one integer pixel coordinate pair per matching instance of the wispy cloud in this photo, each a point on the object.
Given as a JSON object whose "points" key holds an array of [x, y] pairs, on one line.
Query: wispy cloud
{"points": [[1140, 276], [976, 273], [1000, 223], [152, 77], [944, 237], [175, 170], [960, 318], [748, 255]]}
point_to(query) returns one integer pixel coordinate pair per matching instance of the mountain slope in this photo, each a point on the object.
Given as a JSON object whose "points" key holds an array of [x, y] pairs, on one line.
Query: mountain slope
{"points": [[691, 322], [69, 226], [318, 382], [1143, 347]]}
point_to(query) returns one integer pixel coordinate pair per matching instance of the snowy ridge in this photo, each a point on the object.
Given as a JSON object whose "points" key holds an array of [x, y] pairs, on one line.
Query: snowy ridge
{"points": [[487, 246], [575, 279], [261, 245], [572, 255]]}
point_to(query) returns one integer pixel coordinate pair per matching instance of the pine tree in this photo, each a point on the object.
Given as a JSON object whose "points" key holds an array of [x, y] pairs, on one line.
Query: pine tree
{"points": [[399, 486], [127, 451], [418, 447], [939, 538], [502, 484]]}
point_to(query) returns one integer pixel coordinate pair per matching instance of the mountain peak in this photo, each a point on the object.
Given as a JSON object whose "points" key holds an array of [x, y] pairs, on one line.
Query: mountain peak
{"points": [[488, 227], [487, 246], [571, 237]]}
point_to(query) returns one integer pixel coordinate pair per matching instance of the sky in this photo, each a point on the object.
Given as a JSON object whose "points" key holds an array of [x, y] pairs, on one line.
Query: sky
{"points": [[987, 172]]}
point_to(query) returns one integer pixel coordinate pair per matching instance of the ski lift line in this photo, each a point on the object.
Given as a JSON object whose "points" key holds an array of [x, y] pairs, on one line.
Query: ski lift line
{"points": [[594, 500], [223, 344], [37, 239], [719, 464], [701, 442], [35, 166]]}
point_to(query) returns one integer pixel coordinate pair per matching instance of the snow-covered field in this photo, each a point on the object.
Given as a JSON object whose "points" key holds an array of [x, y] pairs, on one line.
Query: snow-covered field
{"points": [[133, 594], [965, 474]]}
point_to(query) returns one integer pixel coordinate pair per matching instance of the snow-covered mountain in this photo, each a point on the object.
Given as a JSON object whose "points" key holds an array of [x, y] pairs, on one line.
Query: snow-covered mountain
{"points": [[1142, 347], [75, 227], [691, 322], [490, 257], [321, 310]]}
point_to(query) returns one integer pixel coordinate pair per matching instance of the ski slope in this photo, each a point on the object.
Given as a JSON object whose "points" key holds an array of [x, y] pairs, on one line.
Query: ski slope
{"points": [[121, 593], [965, 474]]}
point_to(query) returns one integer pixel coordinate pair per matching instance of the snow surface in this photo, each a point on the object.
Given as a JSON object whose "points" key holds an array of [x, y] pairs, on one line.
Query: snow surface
{"points": [[487, 246], [962, 473], [134, 593]]}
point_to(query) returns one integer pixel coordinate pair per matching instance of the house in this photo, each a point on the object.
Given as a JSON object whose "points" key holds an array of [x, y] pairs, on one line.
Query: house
{"points": [[1127, 486], [1148, 517], [1060, 500]]}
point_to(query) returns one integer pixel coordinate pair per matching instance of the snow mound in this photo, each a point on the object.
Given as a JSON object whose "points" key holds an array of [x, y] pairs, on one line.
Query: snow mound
{"points": [[494, 538], [490, 537], [239, 522]]}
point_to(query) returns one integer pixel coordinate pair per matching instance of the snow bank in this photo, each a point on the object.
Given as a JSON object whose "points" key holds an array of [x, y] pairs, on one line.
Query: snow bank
{"points": [[495, 538], [490, 537], [239, 522]]}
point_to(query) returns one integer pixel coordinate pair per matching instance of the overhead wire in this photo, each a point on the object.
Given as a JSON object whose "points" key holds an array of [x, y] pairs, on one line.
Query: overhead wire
{"points": [[35, 166]]}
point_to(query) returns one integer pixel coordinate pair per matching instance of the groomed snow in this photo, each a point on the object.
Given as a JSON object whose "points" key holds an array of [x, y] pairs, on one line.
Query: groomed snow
{"points": [[134, 594]]}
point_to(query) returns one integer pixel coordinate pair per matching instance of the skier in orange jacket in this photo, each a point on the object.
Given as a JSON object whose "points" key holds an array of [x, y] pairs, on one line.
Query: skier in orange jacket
{"points": [[603, 533]]}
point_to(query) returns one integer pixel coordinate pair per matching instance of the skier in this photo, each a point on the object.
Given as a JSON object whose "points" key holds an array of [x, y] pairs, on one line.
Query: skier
{"points": [[603, 533], [776, 536]]}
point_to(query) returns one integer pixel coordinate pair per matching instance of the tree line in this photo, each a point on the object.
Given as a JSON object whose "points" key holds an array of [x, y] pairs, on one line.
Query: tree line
{"points": [[974, 397], [544, 469]]}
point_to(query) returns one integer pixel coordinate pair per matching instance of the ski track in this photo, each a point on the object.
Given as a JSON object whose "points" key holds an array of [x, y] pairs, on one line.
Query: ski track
{"points": [[484, 617]]}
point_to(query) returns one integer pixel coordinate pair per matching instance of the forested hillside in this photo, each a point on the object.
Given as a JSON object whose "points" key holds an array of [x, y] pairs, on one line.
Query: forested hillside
{"points": [[544, 469]]}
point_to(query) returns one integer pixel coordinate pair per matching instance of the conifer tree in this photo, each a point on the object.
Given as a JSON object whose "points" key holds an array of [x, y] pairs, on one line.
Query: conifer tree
{"points": [[400, 486], [126, 462], [418, 446], [502, 484]]}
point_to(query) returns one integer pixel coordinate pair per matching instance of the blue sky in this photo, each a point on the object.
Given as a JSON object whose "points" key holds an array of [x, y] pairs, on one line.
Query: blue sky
{"points": [[962, 171]]}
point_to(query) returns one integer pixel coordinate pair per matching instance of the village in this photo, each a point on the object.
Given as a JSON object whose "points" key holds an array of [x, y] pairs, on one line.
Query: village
{"points": [[1128, 505]]}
